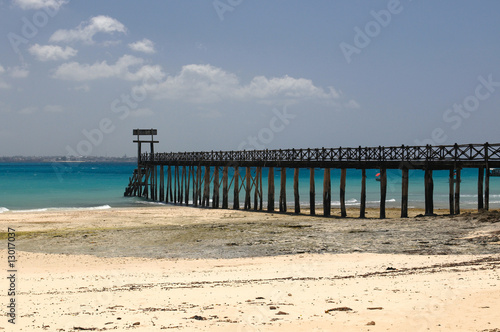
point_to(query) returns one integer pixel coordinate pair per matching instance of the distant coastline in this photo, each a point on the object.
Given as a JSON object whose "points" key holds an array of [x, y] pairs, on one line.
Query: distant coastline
{"points": [[64, 159]]}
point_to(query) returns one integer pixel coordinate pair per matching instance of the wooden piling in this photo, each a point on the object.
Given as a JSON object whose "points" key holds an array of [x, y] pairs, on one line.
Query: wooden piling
{"points": [[248, 188], [312, 192], [404, 193], [270, 189], [487, 189], [343, 212], [215, 196], [362, 206], [236, 200], [383, 191], [327, 193], [296, 189], [162, 184], [225, 188], [457, 191], [206, 187], [480, 192], [257, 205], [169, 185], [452, 191], [176, 177], [283, 190], [429, 192], [187, 182], [200, 184]]}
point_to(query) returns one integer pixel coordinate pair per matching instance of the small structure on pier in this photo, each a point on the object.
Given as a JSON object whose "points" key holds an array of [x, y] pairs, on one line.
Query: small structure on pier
{"points": [[140, 180], [192, 173]]}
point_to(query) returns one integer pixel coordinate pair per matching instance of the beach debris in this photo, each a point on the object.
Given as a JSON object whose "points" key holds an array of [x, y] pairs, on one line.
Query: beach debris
{"points": [[375, 308], [390, 268], [272, 307], [197, 317], [282, 313], [338, 309], [78, 328], [136, 323], [370, 323], [259, 298]]}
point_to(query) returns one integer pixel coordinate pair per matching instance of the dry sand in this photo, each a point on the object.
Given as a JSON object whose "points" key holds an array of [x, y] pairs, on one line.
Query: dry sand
{"points": [[65, 285]]}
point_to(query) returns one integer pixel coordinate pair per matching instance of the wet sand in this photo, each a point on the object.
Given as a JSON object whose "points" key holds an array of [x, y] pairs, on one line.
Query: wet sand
{"points": [[188, 269]]}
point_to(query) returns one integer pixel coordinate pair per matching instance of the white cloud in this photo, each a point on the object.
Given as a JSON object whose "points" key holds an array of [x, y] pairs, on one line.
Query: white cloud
{"points": [[145, 45], [75, 71], [28, 110], [86, 30], [3, 85], [352, 104], [209, 84], [52, 52], [18, 72], [38, 4], [53, 109]]}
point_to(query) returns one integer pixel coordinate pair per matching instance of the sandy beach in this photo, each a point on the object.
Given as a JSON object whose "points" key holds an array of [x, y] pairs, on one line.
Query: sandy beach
{"points": [[180, 268]]}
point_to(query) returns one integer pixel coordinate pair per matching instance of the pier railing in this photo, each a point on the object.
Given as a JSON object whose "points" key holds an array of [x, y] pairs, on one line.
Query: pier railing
{"points": [[448, 153]]}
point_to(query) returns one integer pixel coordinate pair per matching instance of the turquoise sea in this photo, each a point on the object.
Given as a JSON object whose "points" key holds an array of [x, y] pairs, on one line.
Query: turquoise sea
{"points": [[45, 186]]}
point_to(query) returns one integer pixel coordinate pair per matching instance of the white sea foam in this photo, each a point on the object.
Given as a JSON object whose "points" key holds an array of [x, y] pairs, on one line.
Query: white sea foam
{"points": [[100, 207], [3, 209]]}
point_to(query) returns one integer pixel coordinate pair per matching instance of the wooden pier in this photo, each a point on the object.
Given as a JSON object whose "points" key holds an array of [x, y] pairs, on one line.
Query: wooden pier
{"points": [[175, 177]]}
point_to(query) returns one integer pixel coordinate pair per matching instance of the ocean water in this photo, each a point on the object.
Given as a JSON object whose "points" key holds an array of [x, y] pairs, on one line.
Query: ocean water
{"points": [[45, 186]]}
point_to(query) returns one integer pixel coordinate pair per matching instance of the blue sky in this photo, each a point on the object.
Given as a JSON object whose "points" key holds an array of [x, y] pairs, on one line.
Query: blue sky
{"points": [[77, 76]]}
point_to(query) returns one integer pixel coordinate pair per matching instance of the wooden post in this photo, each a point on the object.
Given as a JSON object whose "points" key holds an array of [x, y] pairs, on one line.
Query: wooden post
{"points": [[261, 198], [248, 188], [283, 190], [327, 193], [487, 189], [429, 193], [362, 206], [176, 178], [404, 193], [206, 188], [258, 189], [152, 187], [182, 174], [312, 192], [169, 184], [162, 184], [188, 180], [296, 189], [225, 189], [270, 190], [457, 191], [452, 191], [236, 200], [215, 196], [200, 183], [343, 212], [195, 186], [480, 193], [383, 191]]}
